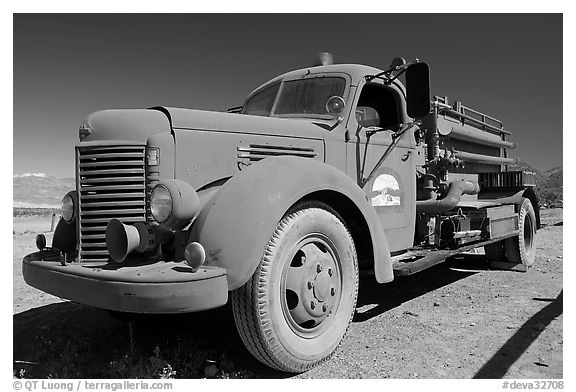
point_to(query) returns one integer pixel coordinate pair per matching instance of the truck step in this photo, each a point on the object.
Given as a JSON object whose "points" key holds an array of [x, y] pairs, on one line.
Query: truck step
{"points": [[419, 259]]}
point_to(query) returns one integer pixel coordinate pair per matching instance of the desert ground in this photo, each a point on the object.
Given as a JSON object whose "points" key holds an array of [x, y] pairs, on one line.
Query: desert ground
{"points": [[459, 319]]}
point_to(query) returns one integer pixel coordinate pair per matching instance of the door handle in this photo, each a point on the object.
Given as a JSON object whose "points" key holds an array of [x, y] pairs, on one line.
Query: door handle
{"points": [[406, 156]]}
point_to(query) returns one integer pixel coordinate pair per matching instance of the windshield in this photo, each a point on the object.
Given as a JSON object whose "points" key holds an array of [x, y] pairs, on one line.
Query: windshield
{"points": [[308, 97], [296, 98]]}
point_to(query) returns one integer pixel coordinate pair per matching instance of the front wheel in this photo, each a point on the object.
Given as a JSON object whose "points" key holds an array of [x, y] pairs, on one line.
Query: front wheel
{"points": [[296, 308]]}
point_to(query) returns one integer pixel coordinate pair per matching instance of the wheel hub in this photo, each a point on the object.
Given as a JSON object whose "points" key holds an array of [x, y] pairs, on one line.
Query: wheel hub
{"points": [[312, 284], [322, 286]]}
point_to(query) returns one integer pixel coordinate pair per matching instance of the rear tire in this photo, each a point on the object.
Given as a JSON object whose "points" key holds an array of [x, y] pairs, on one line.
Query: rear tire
{"points": [[522, 249], [295, 310]]}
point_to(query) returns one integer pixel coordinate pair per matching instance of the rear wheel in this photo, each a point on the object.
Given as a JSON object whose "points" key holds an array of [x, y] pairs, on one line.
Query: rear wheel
{"points": [[520, 249], [296, 308]]}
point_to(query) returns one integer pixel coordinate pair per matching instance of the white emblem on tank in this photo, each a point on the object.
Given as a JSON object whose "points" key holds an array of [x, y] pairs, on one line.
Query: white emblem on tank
{"points": [[386, 191]]}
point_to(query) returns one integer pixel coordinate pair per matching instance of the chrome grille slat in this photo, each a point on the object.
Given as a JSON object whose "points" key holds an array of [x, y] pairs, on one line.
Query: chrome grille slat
{"points": [[101, 195], [109, 188], [111, 184], [94, 245], [128, 202], [114, 212], [108, 164], [112, 171], [91, 180], [93, 237], [106, 220], [93, 229]]}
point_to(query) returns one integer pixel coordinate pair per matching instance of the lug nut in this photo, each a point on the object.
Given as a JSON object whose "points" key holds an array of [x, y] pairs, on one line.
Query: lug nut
{"points": [[319, 268], [324, 308], [332, 291], [303, 259], [309, 284], [330, 272], [312, 305]]}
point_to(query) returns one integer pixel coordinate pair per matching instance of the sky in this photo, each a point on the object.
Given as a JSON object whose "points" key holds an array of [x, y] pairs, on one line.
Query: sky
{"points": [[66, 66]]}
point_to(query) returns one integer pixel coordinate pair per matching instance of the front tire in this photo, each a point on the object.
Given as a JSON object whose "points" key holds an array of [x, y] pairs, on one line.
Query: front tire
{"points": [[296, 308]]}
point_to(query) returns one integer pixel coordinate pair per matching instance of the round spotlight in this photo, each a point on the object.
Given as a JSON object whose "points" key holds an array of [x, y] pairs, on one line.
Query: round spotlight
{"points": [[335, 105]]}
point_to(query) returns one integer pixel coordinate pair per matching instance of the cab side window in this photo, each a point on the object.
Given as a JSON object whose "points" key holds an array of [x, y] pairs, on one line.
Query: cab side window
{"points": [[378, 106]]}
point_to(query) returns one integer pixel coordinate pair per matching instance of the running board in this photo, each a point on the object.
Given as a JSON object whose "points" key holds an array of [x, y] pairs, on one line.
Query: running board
{"points": [[416, 260]]}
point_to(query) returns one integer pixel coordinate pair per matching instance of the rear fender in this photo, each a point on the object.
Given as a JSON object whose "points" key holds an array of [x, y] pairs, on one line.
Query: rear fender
{"points": [[516, 198], [238, 220]]}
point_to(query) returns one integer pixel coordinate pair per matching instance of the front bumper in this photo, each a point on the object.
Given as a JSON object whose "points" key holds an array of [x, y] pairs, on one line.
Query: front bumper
{"points": [[161, 287]]}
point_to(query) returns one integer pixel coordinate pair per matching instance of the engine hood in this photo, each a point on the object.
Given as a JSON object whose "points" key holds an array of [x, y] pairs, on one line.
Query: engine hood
{"points": [[137, 125], [125, 125], [190, 119]]}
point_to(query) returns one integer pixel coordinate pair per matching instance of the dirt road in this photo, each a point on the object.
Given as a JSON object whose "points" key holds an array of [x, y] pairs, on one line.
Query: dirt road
{"points": [[456, 320]]}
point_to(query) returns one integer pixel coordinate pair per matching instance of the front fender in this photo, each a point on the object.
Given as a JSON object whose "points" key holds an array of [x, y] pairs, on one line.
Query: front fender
{"points": [[237, 222]]}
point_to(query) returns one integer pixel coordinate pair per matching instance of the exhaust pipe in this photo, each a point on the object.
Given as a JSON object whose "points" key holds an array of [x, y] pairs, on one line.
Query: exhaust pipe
{"points": [[121, 239], [455, 192]]}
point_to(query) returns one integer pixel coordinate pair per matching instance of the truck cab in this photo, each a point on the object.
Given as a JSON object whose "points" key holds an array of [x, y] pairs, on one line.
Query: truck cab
{"points": [[357, 107]]}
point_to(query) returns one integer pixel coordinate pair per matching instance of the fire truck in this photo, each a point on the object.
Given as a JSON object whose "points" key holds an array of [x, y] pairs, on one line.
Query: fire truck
{"points": [[277, 206]]}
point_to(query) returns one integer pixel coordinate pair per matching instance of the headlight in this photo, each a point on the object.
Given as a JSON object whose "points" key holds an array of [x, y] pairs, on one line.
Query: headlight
{"points": [[68, 208], [160, 203]]}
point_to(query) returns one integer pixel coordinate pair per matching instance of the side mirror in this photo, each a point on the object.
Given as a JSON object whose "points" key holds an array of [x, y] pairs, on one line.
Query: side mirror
{"points": [[418, 90]]}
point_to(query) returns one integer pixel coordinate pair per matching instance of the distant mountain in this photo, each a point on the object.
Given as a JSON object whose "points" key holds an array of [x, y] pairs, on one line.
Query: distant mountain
{"points": [[552, 179], [549, 183], [37, 190]]}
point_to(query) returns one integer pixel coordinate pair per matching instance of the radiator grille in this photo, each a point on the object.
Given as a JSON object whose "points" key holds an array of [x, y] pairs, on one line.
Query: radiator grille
{"points": [[111, 184]]}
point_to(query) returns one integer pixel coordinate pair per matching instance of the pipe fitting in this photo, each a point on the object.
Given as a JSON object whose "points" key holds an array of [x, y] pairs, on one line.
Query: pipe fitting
{"points": [[455, 192]]}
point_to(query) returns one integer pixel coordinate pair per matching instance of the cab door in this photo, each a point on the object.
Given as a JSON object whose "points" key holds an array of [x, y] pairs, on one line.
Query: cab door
{"points": [[377, 113]]}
